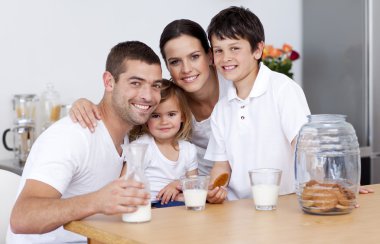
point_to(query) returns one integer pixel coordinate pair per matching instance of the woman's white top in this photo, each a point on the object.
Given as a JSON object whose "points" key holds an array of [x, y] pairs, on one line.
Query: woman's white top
{"points": [[202, 132]]}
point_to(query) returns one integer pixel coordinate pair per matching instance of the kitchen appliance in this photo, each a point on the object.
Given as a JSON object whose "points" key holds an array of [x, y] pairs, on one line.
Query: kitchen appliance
{"points": [[341, 53], [50, 106], [23, 130]]}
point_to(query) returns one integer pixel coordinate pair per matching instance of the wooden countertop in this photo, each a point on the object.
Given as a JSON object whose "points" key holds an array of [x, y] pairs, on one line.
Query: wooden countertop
{"points": [[239, 222]]}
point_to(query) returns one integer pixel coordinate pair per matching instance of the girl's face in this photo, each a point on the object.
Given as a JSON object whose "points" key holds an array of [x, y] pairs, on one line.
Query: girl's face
{"points": [[165, 121], [187, 62]]}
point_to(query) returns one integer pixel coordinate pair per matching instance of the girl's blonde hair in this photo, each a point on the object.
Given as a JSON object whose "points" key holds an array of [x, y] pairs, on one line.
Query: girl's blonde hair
{"points": [[171, 90]]}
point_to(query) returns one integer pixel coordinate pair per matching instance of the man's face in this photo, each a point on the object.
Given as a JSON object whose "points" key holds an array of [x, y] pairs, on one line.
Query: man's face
{"points": [[137, 92]]}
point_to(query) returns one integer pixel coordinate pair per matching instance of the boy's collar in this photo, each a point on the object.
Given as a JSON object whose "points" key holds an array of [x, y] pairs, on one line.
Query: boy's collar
{"points": [[259, 86]]}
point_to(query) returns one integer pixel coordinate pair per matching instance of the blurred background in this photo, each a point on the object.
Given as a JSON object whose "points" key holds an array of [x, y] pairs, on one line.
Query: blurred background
{"points": [[66, 42]]}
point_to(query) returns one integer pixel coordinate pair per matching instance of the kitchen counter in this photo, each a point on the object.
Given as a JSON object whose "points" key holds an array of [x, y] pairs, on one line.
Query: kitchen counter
{"points": [[239, 222]]}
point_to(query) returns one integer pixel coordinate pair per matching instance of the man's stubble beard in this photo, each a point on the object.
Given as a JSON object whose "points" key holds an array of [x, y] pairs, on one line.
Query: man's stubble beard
{"points": [[128, 114]]}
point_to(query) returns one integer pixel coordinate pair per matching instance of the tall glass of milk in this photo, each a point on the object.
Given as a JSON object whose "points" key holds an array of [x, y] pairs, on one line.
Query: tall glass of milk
{"points": [[195, 191], [265, 183], [134, 154]]}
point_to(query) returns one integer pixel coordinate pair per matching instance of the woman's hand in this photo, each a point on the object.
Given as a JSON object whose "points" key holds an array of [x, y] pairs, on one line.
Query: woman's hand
{"points": [[86, 113], [169, 193], [364, 190]]}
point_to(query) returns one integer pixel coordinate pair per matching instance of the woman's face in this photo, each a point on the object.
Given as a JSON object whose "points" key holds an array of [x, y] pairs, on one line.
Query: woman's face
{"points": [[187, 62]]}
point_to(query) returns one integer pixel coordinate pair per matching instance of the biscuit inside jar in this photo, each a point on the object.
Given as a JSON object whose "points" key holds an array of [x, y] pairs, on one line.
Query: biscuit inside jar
{"points": [[326, 197]]}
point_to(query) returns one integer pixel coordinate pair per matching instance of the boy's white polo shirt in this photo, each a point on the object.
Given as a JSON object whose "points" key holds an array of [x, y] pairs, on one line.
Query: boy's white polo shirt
{"points": [[257, 132]]}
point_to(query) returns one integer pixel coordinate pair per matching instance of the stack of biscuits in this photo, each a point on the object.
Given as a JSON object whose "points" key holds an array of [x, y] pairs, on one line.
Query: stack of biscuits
{"points": [[327, 198]]}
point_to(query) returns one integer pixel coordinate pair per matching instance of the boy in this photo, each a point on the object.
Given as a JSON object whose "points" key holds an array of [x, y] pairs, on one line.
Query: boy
{"points": [[256, 124]]}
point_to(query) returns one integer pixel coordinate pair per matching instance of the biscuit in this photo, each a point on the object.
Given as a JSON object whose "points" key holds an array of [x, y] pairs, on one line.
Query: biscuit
{"points": [[342, 207], [342, 199], [311, 183], [221, 180], [307, 203], [325, 197], [307, 193]]}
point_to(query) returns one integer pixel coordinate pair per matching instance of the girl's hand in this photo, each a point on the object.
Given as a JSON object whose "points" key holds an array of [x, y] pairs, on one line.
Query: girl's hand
{"points": [[86, 113], [180, 197], [169, 193], [364, 190]]}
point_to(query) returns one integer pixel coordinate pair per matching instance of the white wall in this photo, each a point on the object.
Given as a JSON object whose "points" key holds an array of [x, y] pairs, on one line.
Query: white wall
{"points": [[66, 41]]}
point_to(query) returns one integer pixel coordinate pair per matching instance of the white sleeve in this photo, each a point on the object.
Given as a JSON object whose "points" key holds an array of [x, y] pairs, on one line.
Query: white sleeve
{"points": [[293, 109], [216, 149], [57, 156], [192, 162]]}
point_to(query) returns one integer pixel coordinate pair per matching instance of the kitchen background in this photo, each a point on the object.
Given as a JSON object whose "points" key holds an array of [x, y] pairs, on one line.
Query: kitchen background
{"points": [[66, 43]]}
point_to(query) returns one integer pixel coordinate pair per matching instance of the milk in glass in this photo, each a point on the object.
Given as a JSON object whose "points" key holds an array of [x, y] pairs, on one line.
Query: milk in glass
{"points": [[265, 195]]}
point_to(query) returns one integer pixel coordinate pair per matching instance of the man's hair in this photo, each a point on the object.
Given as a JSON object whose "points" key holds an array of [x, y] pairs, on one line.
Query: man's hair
{"points": [[171, 90], [181, 27], [237, 22], [129, 50]]}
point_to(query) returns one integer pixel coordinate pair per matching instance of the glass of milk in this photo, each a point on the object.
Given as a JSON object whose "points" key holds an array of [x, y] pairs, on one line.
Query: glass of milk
{"points": [[195, 191], [265, 183]]}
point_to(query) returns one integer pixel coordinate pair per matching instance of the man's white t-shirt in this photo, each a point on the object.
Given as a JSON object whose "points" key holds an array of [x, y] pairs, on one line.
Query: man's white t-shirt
{"points": [[74, 161], [202, 132], [159, 170], [257, 132]]}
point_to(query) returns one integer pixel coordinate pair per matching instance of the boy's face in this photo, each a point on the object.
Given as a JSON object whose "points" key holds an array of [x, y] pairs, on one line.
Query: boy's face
{"points": [[235, 60]]}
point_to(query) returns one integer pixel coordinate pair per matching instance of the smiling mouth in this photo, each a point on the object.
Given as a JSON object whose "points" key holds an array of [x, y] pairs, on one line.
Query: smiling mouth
{"points": [[164, 129], [190, 78], [144, 108], [229, 67]]}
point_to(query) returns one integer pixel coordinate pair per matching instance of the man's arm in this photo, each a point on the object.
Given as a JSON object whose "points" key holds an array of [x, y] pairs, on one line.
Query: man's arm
{"points": [[40, 209]]}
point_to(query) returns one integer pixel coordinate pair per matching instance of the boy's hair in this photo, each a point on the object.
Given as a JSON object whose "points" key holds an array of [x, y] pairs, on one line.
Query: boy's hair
{"points": [[237, 22], [171, 90], [129, 50], [181, 27]]}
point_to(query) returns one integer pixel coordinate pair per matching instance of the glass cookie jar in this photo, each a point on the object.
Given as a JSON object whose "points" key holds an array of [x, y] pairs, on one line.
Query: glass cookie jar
{"points": [[327, 165]]}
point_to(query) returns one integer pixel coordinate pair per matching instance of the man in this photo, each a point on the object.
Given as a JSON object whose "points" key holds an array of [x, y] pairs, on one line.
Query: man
{"points": [[70, 173]]}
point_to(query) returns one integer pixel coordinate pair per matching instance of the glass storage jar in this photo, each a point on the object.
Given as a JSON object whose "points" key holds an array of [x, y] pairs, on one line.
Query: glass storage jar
{"points": [[327, 165]]}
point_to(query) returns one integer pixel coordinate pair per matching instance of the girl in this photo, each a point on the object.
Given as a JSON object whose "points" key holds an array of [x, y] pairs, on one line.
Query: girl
{"points": [[169, 156]]}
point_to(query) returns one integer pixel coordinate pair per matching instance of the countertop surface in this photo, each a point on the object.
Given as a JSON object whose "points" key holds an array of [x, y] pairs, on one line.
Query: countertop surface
{"points": [[239, 222]]}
